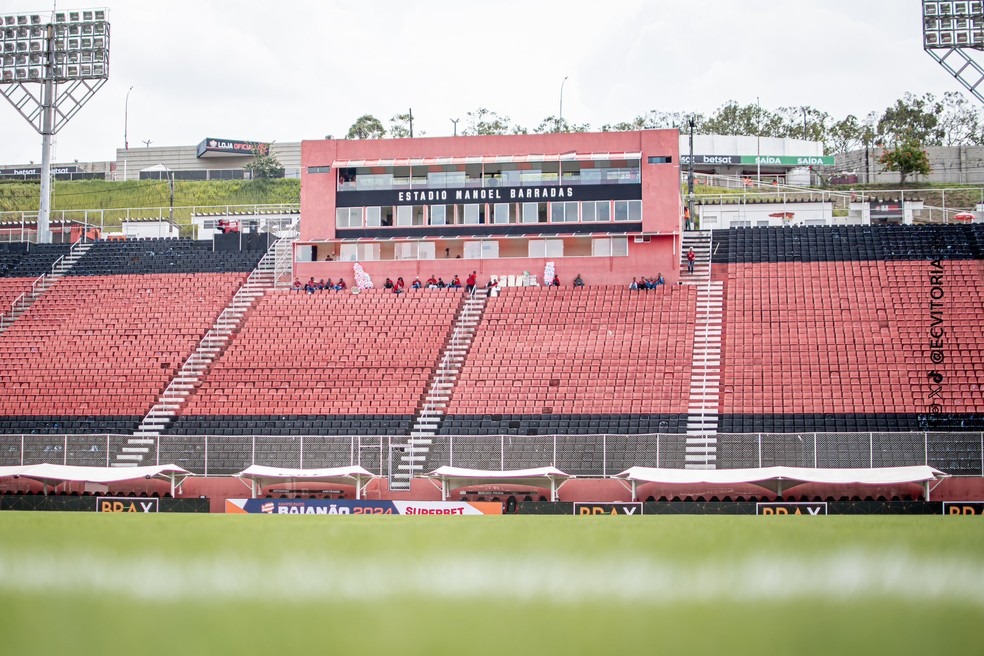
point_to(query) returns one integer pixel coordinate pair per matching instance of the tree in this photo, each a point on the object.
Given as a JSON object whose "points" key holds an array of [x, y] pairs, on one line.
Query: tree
{"points": [[366, 126], [401, 126], [656, 120], [485, 122], [850, 134], [264, 166], [906, 158], [912, 118], [555, 124], [961, 122], [748, 120]]}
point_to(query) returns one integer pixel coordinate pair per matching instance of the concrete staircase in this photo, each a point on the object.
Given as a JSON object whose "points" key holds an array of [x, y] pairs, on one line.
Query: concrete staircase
{"points": [[430, 411], [189, 376], [700, 241], [705, 379], [43, 283], [283, 262]]}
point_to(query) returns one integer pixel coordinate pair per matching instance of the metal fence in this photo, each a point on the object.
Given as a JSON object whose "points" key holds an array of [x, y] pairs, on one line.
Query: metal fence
{"points": [[959, 454]]}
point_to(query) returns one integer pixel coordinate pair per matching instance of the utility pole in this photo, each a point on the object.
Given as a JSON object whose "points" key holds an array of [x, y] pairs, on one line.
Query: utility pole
{"points": [[690, 174], [410, 120], [455, 121]]}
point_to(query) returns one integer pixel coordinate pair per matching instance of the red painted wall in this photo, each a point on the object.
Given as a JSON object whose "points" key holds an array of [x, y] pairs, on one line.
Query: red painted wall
{"points": [[661, 198], [646, 259]]}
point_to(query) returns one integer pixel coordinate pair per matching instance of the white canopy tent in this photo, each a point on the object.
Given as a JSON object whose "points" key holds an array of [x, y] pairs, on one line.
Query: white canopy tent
{"points": [[260, 476], [455, 477], [57, 474], [778, 479]]}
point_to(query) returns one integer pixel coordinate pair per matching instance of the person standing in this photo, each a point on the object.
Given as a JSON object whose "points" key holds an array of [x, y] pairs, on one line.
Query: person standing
{"points": [[691, 256]]}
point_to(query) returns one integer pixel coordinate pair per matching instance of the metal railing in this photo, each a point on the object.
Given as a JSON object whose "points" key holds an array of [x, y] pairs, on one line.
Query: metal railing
{"points": [[600, 455]]}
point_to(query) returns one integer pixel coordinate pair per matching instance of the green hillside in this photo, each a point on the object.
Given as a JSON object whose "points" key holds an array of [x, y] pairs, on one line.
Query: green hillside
{"points": [[106, 195]]}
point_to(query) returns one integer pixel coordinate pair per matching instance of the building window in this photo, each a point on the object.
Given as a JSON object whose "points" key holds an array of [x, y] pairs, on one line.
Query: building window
{"points": [[563, 212], [404, 215], [438, 214], [628, 210], [546, 248], [481, 250], [359, 252], [660, 159], [534, 212], [373, 217], [472, 214], [500, 213], [348, 217], [610, 246], [598, 210], [414, 250], [319, 169]]}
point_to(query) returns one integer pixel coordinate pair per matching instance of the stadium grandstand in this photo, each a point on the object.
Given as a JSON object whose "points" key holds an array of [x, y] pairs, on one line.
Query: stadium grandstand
{"points": [[853, 346]]}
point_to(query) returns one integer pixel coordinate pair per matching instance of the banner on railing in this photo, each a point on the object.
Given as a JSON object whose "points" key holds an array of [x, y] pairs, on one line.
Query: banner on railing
{"points": [[363, 507]]}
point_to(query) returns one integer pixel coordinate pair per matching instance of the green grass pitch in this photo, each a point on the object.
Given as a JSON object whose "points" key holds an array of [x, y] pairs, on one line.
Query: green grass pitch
{"points": [[79, 583]]}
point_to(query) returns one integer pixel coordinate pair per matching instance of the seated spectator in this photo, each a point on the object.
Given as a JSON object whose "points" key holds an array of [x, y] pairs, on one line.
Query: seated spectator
{"points": [[633, 284], [556, 281], [649, 283], [329, 285], [579, 281], [397, 289], [297, 285], [416, 283], [388, 284], [441, 284], [659, 281], [470, 282], [400, 284], [432, 282], [340, 285], [455, 283], [310, 286], [321, 285]]}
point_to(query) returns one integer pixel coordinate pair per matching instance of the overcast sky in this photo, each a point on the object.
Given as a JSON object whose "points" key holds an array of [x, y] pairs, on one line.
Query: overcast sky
{"points": [[292, 70]]}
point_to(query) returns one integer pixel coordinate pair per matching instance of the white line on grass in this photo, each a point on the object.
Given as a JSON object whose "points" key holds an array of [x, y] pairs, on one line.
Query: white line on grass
{"points": [[561, 579]]}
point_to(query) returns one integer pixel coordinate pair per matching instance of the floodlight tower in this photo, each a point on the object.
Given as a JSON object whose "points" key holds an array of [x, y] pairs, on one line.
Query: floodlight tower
{"points": [[951, 29], [67, 55]]}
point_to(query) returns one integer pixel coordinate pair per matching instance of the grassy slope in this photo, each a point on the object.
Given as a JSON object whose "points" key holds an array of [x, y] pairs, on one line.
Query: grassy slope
{"points": [[101, 194], [440, 586]]}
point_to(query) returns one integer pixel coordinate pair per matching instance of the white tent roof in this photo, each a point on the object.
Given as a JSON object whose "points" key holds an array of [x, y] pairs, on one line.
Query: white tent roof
{"points": [[261, 476], [779, 478], [56, 474], [455, 477]]}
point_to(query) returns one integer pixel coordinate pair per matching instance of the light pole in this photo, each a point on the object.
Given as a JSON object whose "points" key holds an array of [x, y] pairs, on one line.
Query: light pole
{"points": [[758, 143], [455, 121], [126, 125], [560, 114], [68, 71], [170, 183], [690, 175]]}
